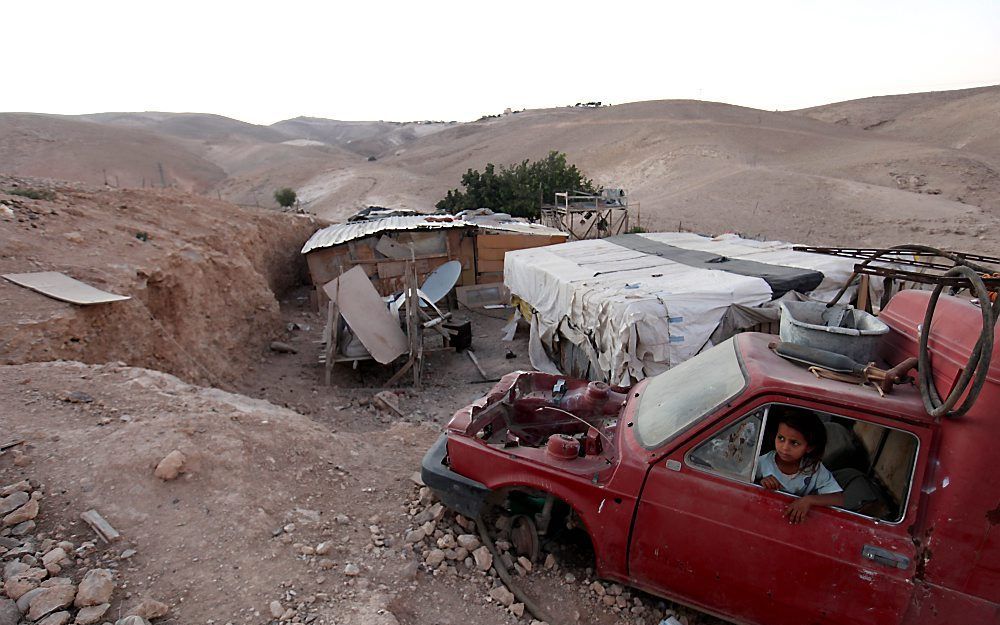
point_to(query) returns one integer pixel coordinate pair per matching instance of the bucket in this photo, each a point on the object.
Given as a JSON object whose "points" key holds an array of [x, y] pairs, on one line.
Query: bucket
{"points": [[840, 329]]}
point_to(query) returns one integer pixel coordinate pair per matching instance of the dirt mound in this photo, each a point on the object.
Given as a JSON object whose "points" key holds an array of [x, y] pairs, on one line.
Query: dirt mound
{"points": [[202, 276]]}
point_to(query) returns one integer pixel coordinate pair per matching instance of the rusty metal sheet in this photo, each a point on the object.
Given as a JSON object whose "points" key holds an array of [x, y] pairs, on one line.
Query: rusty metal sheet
{"points": [[366, 314], [61, 287]]}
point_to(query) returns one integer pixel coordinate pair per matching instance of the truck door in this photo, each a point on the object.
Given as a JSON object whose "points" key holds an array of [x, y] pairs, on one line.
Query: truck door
{"points": [[706, 535]]}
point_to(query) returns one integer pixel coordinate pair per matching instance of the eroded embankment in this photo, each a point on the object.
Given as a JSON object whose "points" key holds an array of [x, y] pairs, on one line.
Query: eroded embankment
{"points": [[202, 274]]}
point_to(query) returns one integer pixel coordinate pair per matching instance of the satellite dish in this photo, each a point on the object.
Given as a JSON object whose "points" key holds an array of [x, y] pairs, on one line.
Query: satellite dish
{"points": [[441, 281]]}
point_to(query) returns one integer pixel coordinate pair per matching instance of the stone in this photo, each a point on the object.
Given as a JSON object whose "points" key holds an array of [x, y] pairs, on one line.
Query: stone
{"points": [[151, 608], [598, 589], [50, 600], [414, 536], [95, 588], [56, 618], [608, 600], [9, 614], [434, 558], [66, 546], [410, 570], [324, 548], [276, 609], [501, 595], [91, 614], [550, 562], [56, 581], [16, 487], [517, 609], [352, 570], [25, 600], [468, 541], [171, 466], [483, 558], [342, 519], [54, 556], [23, 528], [13, 502], [525, 563], [15, 587], [132, 620], [446, 542], [26, 512], [14, 567]]}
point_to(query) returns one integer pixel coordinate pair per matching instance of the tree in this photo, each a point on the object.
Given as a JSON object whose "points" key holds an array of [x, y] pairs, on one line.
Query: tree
{"points": [[517, 189], [285, 197]]}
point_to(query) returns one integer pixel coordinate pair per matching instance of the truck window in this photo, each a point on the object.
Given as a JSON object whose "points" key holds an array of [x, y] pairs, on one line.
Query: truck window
{"points": [[872, 463], [675, 399]]}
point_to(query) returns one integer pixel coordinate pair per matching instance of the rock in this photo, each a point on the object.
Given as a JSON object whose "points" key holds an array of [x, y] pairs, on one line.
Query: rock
{"points": [[55, 556], [446, 542], [76, 397], [171, 466], [570, 578], [132, 620], [283, 348], [517, 609], [20, 458], [95, 588], [502, 596], [415, 536], [73, 237], [434, 558], [26, 512], [16, 487], [598, 589], [410, 570], [51, 599], [128, 553], [13, 502], [550, 562], [91, 614], [352, 570], [150, 609], [416, 478], [615, 589], [16, 586], [342, 519], [324, 548], [468, 541], [608, 600], [23, 529], [9, 614], [56, 581], [276, 609], [66, 546], [14, 567], [483, 558], [25, 601], [525, 563], [56, 618]]}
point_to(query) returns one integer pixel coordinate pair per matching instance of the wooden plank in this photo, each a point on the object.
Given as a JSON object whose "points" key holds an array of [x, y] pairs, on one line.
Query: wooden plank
{"points": [[490, 253], [487, 266], [391, 268], [61, 287], [97, 523], [489, 277]]}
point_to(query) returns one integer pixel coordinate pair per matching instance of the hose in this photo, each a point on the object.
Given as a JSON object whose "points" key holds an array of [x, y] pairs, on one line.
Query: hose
{"points": [[979, 360], [529, 604]]}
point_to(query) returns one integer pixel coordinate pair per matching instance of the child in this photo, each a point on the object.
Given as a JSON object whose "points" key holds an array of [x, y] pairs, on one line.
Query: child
{"points": [[794, 466]]}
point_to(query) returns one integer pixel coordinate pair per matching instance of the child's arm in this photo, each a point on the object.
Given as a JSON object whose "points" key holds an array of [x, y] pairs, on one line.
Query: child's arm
{"points": [[798, 509]]}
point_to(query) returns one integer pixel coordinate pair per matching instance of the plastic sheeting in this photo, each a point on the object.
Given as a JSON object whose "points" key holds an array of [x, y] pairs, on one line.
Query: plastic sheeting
{"points": [[638, 314]]}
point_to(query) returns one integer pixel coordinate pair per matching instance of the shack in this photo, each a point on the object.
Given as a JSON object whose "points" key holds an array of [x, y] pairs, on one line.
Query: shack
{"points": [[382, 246], [627, 307]]}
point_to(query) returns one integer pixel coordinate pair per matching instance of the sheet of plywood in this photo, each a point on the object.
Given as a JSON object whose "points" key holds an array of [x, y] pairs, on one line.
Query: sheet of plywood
{"points": [[366, 313], [485, 266], [61, 287], [515, 241]]}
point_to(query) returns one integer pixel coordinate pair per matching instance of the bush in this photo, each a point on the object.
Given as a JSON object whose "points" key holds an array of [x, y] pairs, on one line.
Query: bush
{"points": [[517, 189], [285, 197], [34, 194]]}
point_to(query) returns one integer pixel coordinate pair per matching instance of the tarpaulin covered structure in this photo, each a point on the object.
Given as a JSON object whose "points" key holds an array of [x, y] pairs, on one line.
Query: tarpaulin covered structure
{"points": [[627, 307]]}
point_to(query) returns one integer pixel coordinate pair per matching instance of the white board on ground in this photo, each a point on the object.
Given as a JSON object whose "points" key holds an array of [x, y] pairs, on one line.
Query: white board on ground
{"points": [[61, 287], [365, 312]]}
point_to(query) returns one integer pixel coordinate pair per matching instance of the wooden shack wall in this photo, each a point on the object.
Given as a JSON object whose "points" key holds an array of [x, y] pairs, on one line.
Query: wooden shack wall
{"points": [[386, 273], [491, 247]]}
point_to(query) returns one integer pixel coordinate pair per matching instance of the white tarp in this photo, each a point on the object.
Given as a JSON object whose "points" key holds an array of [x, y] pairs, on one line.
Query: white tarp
{"points": [[642, 313]]}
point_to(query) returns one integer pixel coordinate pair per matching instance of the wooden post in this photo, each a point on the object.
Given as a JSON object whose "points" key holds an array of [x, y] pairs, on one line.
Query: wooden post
{"points": [[864, 294]]}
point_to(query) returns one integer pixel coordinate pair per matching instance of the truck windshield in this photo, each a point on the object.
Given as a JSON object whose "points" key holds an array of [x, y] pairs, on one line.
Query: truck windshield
{"points": [[675, 399]]}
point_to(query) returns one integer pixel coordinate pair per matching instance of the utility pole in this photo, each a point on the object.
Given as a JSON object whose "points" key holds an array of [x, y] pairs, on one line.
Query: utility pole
{"points": [[163, 180]]}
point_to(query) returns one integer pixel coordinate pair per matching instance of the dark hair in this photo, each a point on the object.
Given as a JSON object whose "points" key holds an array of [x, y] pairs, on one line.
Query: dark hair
{"points": [[809, 425]]}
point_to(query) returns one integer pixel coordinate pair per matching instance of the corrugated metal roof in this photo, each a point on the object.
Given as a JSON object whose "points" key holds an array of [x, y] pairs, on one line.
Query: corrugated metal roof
{"points": [[520, 227], [342, 233]]}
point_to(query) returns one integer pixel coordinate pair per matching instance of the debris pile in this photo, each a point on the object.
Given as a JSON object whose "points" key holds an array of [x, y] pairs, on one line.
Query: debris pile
{"points": [[39, 569]]}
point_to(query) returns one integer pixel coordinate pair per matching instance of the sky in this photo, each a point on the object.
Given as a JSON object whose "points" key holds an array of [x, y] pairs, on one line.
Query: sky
{"points": [[263, 62]]}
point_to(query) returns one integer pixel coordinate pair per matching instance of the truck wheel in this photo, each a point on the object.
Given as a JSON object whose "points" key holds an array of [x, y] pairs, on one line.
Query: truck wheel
{"points": [[524, 536]]}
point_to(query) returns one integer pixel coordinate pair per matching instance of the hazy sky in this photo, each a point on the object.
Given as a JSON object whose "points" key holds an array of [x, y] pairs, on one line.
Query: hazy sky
{"points": [[264, 62]]}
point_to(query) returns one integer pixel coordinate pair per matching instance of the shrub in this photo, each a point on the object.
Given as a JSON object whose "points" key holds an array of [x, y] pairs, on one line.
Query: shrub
{"points": [[285, 197]]}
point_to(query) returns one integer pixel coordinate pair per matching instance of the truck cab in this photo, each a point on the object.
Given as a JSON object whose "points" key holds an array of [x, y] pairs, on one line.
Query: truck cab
{"points": [[663, 480]]}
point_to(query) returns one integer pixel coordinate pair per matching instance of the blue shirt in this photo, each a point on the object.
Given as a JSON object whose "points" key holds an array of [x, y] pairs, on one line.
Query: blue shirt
{"points": [[819, 482]]}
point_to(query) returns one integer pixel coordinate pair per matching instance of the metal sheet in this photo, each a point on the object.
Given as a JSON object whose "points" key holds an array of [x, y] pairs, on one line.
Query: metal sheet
{"points": [[61, 287], [366, 313], [342, 233]]}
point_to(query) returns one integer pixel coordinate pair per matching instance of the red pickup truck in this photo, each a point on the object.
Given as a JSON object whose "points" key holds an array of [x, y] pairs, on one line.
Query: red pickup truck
{"points": [[661, 477]]}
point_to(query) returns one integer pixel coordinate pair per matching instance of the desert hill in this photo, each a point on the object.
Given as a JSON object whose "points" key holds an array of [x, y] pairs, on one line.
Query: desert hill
{"points": [[909, 168]]}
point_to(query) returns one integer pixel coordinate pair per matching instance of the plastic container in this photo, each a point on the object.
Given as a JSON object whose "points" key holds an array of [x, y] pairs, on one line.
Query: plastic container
{"points": [[840, 329]]}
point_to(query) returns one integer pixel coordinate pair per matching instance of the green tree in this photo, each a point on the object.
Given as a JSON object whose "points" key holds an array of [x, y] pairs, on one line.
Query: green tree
{"points": [[285, 197], [517, 189]]}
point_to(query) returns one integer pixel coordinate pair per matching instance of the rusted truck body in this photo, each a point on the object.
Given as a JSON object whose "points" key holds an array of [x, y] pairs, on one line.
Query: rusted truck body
{"points": [[661, 478]]}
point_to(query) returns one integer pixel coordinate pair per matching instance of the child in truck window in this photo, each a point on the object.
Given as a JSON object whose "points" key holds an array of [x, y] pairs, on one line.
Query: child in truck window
{"points": [[794, 466]]}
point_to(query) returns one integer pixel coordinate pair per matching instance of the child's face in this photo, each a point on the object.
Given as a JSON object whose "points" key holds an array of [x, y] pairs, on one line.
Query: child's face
{"points": [[789, 444]]}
